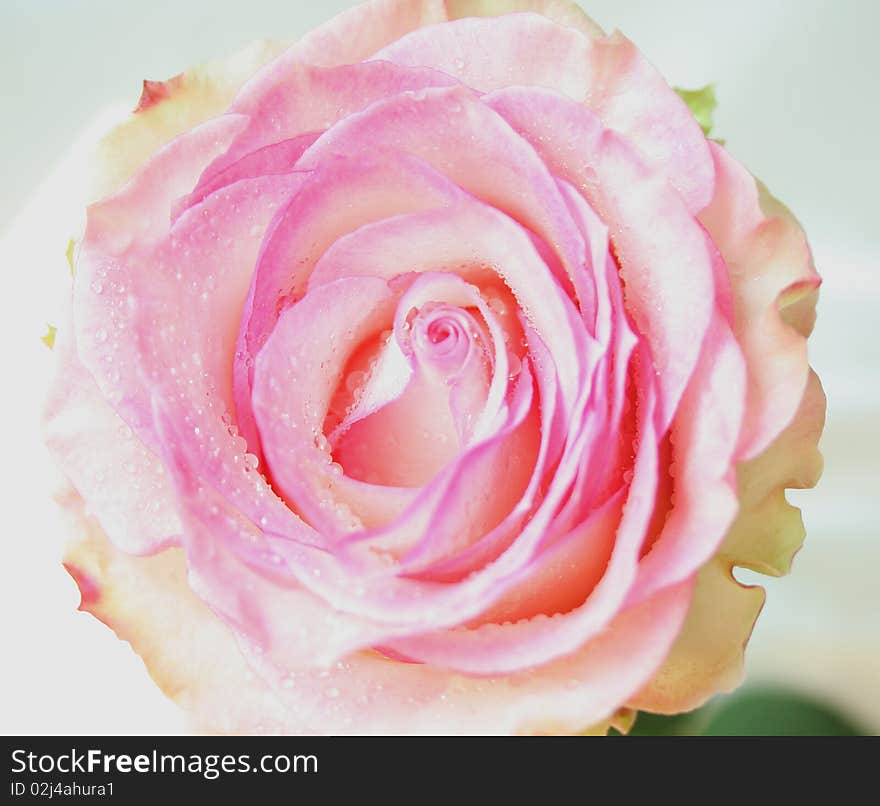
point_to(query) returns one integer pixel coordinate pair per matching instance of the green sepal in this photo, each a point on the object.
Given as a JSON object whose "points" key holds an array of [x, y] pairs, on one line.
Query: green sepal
{"points": [[702, 103]]}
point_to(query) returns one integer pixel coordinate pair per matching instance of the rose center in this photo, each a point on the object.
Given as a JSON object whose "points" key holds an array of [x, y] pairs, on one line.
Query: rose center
{"points": [[406, 441]]}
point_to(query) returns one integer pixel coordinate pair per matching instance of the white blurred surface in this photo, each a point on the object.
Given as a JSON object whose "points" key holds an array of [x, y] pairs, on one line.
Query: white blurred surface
{"points": [[797, 84]]}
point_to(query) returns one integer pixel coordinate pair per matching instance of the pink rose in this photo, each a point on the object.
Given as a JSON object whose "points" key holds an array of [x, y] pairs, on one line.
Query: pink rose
{"points": [[431, 376]]}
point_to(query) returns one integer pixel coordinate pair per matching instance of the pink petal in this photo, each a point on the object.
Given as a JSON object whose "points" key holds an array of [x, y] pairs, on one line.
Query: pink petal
{"points": [[179, 339], [563, 12], [368, 694], [474, 240], [369, 587], [664, 257], [494, 649], [295, 376], [119, 256], [268, 611], [358, 32], [196, 659], [337, 197], [444, 404], [451, 130], [290, 99], [770, 267], [277, 158], [457, 564], [121, 480], [704, 438], [607, 74]]}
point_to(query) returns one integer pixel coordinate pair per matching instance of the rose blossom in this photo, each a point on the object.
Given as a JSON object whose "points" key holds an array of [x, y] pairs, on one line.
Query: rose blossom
{"points": [[431, 376]]}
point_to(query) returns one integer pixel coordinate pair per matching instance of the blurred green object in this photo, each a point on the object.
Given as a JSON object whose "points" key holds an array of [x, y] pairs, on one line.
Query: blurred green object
{"points": [[702, 103], [753, 712]]}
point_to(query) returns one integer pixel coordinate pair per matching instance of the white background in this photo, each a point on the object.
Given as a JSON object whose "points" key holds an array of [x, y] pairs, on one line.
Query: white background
{"points": [[797, 83]]}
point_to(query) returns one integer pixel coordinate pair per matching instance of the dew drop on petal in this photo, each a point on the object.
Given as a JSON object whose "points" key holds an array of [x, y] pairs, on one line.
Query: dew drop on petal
{"points": [[515, 366]]}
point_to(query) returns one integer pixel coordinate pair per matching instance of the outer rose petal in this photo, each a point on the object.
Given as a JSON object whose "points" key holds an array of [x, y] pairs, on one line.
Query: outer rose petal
{"points": [[195, 659], [774, 286], [170, 108], [291, 99], [769, 531], [561, 12], [708, 655], [166, 110], [356, 34], [608, 76], [137, 597], [774, 283], [704, 436], [139, 514]]}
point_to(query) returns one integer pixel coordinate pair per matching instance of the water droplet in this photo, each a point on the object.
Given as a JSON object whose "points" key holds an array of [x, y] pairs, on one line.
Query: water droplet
{"points": [[355, 381], [497, 305], [515, 366]]}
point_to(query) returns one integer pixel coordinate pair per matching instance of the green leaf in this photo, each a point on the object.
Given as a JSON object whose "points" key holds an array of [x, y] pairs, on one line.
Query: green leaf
{"points": [[774, 712], [753, 712], [702, 104]]}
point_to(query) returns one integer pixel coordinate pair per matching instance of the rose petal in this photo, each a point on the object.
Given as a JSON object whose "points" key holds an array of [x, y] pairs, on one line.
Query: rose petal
{"points": [[770, 268], [121, 231], [371, 588], [607, 74], [471, 239], [451, 130], [189, 286], [252, 593], [707, 656], [196, 660], [186, 101], [360, 31], [459, 563], [124, 482], [290, 99], [277, 158], [338, 196], [704, 438], [295, 376], [182, 335], [673, 315], [563, 12], [494, 649], [768, 531]]}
